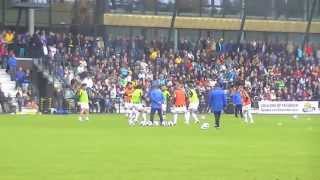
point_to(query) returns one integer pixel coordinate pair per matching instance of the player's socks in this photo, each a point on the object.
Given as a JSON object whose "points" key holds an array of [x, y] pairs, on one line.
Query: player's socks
{"points": [[137, 115], [195, 117], [80, 118], [175, 119], [131, 116], [245, 119], [144, 116], [187, 117], [87, 118], [250, 117]]}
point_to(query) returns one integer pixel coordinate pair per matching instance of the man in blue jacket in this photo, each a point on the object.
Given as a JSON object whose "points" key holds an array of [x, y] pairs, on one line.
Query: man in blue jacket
{"points": [[237, 102], [217, 102], [12, 66], [156, 101]]}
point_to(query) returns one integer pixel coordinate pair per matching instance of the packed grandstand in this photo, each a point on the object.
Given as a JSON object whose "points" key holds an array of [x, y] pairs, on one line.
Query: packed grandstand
{"points": [[271, 70]]}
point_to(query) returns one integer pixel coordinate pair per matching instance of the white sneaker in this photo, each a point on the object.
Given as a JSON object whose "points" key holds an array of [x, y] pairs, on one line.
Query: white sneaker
{"points": [[87, 118], [80, 119]]}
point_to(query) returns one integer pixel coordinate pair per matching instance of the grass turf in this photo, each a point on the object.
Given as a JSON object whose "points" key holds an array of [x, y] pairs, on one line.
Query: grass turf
{"points": [[62, 148]]}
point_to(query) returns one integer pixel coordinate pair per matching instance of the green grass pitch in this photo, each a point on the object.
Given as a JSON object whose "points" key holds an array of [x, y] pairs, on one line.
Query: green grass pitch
{"points": [[45, 147]]}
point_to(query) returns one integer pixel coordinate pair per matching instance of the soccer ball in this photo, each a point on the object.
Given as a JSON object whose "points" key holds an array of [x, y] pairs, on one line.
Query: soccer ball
{"points": [[149, 123], [143, 123], [156, 123], [131, 123], [205, 126]]}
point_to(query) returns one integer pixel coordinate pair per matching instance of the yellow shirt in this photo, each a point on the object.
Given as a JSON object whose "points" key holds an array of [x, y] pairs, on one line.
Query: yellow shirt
{"points": [[178, 60], [153, 55], [8, 38]]}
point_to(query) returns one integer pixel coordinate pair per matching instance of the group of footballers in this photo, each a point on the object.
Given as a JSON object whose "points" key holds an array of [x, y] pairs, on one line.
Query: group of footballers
{"points": [[184, 100]]}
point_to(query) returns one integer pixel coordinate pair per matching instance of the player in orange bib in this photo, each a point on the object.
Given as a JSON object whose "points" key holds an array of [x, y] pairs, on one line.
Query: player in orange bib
{"points": [[180, 104], [128, 97], [246, 106]]}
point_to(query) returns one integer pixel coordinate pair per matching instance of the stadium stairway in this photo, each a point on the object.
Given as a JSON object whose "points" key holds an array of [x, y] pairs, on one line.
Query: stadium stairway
{"points": [[7, 86], [9, 89]]}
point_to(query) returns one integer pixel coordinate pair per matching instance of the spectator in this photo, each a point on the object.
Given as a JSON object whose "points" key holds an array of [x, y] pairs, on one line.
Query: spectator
{"points": [[19, 99], [12, 65], [3, 52], [20, 77], [9, 37], [2, 100]]}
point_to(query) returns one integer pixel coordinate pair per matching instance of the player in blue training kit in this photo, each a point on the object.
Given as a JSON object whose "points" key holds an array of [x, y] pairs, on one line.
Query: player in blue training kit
{"points": [[156, 101], [217, 102]]}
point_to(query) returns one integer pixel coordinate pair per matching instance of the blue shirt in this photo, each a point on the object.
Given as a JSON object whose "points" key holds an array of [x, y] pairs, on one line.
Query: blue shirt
{"points": [[12, 62], [236, 98], [217, 100], [156, 98], [20, 75], [299, 54], [124, 72]]}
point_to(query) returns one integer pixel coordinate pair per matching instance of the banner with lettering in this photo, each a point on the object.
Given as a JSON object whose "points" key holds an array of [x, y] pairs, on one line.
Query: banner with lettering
{"points": [[288, 107]]}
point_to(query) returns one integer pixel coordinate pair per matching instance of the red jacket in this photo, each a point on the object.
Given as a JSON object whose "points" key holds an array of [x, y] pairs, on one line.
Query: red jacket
{"points": [[3, 50]]}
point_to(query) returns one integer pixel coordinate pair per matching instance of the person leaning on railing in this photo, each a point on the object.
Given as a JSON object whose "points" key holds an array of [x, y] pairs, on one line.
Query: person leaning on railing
{"points": [[2, 100]]}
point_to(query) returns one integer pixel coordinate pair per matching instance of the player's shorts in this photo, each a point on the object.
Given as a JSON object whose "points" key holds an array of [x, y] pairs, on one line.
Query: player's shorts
{"points": [[84, 106], [180, 109], [138, 107], [164, 107], [193, 106], [246, 107], [128, 105]]}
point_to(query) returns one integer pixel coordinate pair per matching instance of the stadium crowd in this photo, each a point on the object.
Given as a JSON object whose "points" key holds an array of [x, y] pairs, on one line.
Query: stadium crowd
{"points": [[271, 70]]}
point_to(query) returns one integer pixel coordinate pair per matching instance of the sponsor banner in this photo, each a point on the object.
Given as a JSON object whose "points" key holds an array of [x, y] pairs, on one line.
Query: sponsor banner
{"points": [[288, 107]]}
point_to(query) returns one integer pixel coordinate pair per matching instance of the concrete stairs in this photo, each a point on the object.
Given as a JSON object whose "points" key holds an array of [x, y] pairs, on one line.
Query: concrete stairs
{"points": [[7, 86]]}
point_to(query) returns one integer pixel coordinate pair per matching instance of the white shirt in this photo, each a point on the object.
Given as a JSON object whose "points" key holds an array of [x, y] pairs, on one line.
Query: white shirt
{"points": [[88, 81], [143, 66], [113, 92]]}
